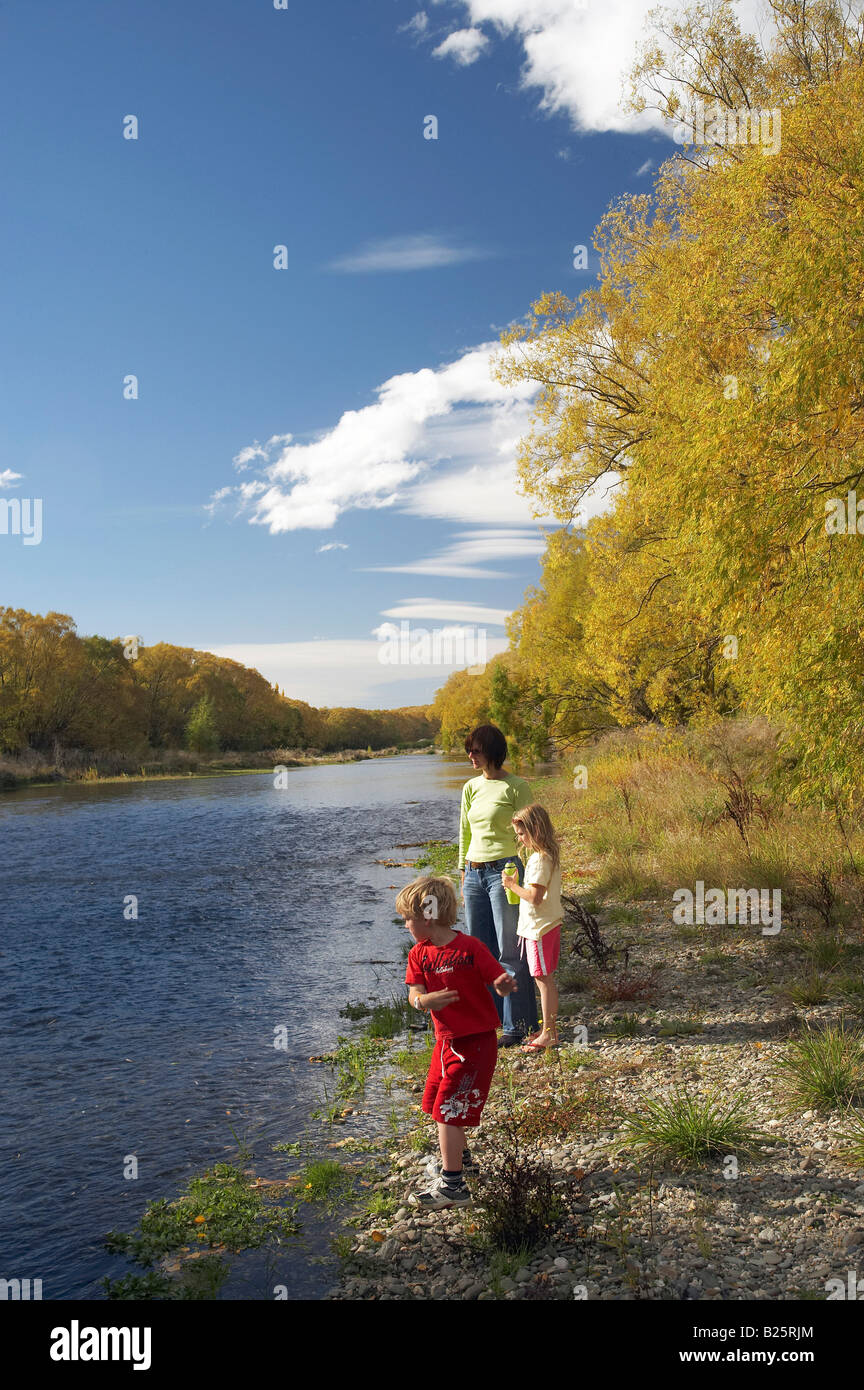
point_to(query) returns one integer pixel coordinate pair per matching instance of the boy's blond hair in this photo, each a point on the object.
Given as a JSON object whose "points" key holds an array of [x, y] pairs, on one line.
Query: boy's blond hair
{"points": [[539, 832], [429, 897]]}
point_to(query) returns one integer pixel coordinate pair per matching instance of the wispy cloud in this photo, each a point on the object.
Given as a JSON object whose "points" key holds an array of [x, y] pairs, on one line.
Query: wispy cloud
{"points": [[442, 610], [644, 169], [417, 26], [331, 545], [464, 46], [466, 556], [423, 251], [8, 478]]}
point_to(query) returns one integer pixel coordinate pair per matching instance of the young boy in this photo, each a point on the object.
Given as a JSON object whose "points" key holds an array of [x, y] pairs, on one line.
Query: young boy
{"points": [[449, 974]]}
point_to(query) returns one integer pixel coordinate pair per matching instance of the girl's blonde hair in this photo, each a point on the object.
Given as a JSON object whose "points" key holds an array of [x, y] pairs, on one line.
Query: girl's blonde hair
{"points": [[539, 832]]}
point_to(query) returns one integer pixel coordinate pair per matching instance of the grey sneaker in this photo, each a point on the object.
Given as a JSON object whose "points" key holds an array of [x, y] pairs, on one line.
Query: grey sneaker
{"points": [[441, 1195], [433, 1168]]}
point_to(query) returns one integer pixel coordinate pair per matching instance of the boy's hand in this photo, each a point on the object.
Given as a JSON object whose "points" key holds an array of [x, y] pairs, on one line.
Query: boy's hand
{"points": [[505, 984], [440, 998]]}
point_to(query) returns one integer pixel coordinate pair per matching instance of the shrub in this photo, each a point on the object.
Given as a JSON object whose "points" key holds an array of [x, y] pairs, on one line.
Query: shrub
{"points": [[520, 1203], [625, 986]]}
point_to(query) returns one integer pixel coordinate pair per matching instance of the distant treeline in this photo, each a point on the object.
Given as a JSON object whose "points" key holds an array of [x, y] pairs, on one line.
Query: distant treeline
{"points": [[61, 690]]}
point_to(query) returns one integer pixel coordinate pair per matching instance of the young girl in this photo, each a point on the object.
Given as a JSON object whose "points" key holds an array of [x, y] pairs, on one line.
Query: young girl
{"points": [[540, 914]]}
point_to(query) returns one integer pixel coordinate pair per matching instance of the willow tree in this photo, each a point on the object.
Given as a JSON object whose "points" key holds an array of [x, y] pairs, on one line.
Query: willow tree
{"points": [[717, 369]]}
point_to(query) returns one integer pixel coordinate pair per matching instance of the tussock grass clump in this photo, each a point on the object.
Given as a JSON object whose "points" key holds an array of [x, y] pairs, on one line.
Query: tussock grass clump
{"points": [[686, 1130], [824, 1068], [824, 951], [852, 1138], [810, 989]]}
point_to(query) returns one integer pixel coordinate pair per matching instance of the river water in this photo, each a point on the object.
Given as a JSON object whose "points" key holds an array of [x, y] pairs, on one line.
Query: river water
{"points": [[257, 908]]}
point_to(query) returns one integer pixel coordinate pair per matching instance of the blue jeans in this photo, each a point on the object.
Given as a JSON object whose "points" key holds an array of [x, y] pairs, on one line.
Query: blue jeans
{"points": [[493, 920]]}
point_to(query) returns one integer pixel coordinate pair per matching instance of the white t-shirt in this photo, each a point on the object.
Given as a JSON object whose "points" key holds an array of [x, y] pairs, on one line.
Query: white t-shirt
{"points": [[535, 922]]}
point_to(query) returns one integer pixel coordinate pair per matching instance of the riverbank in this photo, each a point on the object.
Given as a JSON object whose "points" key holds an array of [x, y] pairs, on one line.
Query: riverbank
{"points": [[182, 766], [700, 1132]]}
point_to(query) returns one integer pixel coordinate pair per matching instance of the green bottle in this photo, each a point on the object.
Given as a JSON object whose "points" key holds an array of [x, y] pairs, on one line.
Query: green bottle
{"points": [[510, 869]]}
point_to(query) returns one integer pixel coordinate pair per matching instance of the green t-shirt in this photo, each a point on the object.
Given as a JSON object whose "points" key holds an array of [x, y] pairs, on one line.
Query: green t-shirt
{"points": [[488, 806]]}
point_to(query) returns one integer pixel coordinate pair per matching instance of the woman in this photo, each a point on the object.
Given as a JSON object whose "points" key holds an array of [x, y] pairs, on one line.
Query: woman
{"points": [[486, 842]]}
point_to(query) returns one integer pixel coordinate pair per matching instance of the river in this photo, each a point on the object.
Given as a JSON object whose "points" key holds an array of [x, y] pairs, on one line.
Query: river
{"points": [[257, 907]]}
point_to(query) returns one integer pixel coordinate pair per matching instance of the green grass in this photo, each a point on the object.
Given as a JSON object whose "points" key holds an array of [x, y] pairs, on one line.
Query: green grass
{"points": [[824, 1068], [389, 1017], [326, 1182], [354, 1012], [686, 1131], [824, 951], [809, 989], [439, 858], [352, 1062], [219, 1208], [715, 958], [852, 1138], [627, 1026], [505, 1264], [413, 1062]]}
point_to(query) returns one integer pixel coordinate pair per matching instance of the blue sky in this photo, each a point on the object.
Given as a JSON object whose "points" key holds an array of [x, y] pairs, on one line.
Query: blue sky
{"points": [[315, 450]]}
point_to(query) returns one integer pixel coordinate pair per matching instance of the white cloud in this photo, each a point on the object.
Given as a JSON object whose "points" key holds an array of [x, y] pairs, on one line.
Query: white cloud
{"points": [[464, 557], [332, 545], [442, 610], [644, 169], [579, 53], [464, 46], [345, 672], [7, 477], [454, 414], [421, 252]]}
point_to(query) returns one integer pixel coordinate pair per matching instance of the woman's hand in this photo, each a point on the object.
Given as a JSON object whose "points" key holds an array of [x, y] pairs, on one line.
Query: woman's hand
{"points": [[440, 998], [462, 884], [505, 984]]}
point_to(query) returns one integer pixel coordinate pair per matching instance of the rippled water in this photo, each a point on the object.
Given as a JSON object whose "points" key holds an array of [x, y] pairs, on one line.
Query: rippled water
{"points": [[257, 908]]}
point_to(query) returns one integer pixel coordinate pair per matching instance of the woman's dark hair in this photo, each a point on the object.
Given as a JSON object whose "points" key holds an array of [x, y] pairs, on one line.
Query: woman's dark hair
{"points": [[491, 742]]}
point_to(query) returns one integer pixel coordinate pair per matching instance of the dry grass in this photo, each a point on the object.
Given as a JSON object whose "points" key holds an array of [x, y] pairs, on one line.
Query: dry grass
{"points": [[663, 809]]}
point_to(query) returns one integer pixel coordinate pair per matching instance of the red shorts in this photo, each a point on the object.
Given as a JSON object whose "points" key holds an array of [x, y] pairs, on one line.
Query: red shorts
{"points": [[542, 955], [460, 1075]]}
